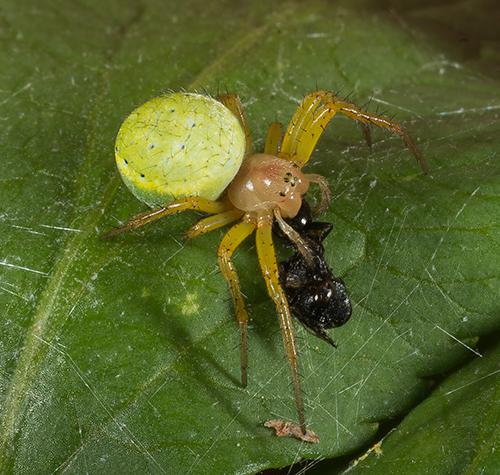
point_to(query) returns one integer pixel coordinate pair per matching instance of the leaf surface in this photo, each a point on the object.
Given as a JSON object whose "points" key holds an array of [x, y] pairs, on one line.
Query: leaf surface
{"points": [[121, 357], [455, 430]]}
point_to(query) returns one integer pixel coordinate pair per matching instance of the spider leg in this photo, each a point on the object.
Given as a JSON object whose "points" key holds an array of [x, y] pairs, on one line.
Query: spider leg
{"points": [[213, 222], [294, 237], [273, 139], [177, 206], [296, 127], [312, 117], [269, 267], [233, 238], [324, 188], [233, 103]]}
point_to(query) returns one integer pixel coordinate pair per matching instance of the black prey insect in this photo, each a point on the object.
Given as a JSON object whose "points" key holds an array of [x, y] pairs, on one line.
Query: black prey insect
{"points": [[316, 296]]}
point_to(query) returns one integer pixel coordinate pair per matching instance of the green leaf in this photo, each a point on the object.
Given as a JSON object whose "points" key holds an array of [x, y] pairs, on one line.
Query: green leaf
{"points": [[121, 357], [455, 430]]}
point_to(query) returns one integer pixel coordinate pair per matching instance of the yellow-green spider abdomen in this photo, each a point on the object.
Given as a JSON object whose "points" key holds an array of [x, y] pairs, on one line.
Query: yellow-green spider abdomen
{"points": [[179, 145]]}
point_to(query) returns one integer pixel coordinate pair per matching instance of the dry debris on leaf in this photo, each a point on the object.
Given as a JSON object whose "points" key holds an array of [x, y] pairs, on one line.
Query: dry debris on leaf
{"points": [[290, 429]]}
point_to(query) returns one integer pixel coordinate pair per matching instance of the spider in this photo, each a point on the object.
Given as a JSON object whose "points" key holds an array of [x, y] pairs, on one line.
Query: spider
{"points": [[255, 189]]}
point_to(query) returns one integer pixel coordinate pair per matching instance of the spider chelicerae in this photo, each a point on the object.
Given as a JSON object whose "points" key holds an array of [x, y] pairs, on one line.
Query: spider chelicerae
{"points": [[268, 188]]}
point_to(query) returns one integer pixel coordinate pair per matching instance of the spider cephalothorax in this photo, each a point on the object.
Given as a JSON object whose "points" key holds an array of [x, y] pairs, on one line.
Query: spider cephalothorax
{"points": [[265, 182], [183, 151]]}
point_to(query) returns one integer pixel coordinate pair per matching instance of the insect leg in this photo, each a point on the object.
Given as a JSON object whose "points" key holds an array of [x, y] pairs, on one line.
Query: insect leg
{"points": [[233, 238], [233, 103], [206, 225], [269, 267], [177, 206], [273, 139]]}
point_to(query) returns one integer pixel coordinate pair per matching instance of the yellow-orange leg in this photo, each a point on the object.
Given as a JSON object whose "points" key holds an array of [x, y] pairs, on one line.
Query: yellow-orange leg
{"points": [[213, 222], [233, 238], [273, 139], [269, 267], [312, 117], [325, 193], [177, 206], [233, 103], [296, 127], [295, 237]]}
